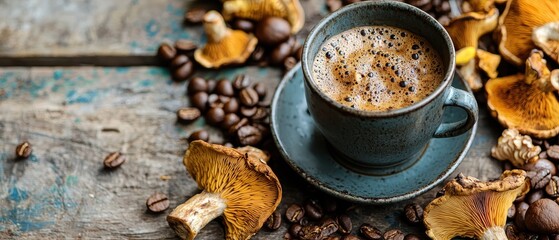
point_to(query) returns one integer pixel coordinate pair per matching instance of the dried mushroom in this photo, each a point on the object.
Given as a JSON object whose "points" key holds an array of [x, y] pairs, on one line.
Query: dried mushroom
{"points": [[516, 24], [255, 153], [475, 209], [546, 37], [484, 61], [465, 31], [291, 10], [241, 189], [527, 102], [488, 62], [516, 148], [225, 46]]}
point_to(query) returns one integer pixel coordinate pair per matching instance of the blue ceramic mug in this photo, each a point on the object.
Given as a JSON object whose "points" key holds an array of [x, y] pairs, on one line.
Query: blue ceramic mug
{"points": [[384, 142]]}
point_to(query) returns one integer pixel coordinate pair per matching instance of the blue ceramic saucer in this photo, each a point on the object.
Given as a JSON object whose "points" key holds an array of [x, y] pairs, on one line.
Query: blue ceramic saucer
{"points": [[306, 151]]}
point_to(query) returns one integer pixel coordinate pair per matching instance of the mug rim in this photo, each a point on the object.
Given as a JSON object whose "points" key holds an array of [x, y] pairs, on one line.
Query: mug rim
{"points": [[307, 63]]}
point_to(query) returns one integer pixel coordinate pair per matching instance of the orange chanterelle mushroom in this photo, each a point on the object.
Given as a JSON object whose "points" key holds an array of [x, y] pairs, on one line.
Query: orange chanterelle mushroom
{"points": [[527, 102], [237, 186], [475, 209], [291, 10]]}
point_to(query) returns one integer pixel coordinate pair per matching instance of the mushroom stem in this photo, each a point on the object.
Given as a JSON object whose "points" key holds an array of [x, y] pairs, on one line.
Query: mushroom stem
{"points": [[188, 218], [494, 233], [214, 25]]}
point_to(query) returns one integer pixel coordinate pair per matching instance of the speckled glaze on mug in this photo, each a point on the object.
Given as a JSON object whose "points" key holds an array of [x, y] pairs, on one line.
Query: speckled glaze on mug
{"points": [[385, 142]]}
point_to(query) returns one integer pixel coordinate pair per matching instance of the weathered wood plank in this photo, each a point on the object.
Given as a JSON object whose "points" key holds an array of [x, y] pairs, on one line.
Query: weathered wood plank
{"points": [[63, 190]]}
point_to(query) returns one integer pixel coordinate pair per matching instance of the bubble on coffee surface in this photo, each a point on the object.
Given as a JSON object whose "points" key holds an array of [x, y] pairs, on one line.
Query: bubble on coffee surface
{"points": [[377, 68]]}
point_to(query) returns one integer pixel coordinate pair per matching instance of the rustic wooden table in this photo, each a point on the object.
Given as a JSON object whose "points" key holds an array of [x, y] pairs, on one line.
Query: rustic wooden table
{"points": [[75, 113]]}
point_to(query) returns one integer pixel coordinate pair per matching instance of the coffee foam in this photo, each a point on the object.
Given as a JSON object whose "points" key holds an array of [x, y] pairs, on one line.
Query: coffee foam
{"points": [[377, 68]]}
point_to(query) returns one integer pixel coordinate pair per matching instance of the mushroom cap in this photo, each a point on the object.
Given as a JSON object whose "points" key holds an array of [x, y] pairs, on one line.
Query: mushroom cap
{"points": [[518, 20], [225, 46], [546, 37], [291, 10], [250, 188], [469, 206], [466, 29], [527, 102]]}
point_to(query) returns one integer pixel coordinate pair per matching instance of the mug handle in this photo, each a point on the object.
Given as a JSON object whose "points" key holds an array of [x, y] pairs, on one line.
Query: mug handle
{"points": [[466, 101]]}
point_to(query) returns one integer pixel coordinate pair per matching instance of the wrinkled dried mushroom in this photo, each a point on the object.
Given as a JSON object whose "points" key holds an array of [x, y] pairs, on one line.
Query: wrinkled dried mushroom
{"points": [[241, 189], [291, 10], [475, 209], [546, 37], [516, 148], [225, 46], [527, 102]]}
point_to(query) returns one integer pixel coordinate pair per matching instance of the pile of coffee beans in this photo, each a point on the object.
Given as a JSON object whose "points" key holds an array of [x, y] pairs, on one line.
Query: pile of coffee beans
{"points": [[536, 215], [327, 219], [178, 58], [238, 107]]}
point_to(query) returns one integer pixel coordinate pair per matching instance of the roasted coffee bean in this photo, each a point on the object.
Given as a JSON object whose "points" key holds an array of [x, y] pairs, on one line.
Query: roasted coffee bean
{"points": [[188, 114], [232, 106], [183, 72], [546, 145], [224, 88], [412, 236], [248, 111], [289, 63], [211, 85], [215, 116], [294, 213], [552, 188], [157, 202], [194, 15], [541, 164], [179, 60], [114, 160], [23, 150], [543, 155], [534, 195], [554, 237], [511, 212], [249, 135], [272, 31], [274, 221], [414, 213], [199, 100], [199, 135], [328, 227], [512, 232], [184, 46], [166, 52], [333, 5], [241, 81], [333, 238], [310, 232], [539, 178], [217, 101], [280, 52], [394, 234], [258, 55], [287, 236], [294, 229], [344, 223], [313, 210], [260, 114], [235, 128], [543, 217], [304, 221], [248, 97], [229, 120], [369, 232], [243, 25], [520, 213], [350, 237], [260, 89], [263, 128], [197, 84], [553, 152]]}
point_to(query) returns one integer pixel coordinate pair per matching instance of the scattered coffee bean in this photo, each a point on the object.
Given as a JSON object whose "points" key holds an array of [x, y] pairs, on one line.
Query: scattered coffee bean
{"points": [[114, 160], [232, 106], [260, 89], [188, 114], [304, 221], [183, 72], [260, 114], [313, 210], [294, 229], [541, 164], [272, 31], [249, 135], [294, 213], [248, 111], [369, 232], [248, 97], [412, 236], [243, 25], [23, 150], [224, 88], [264, 130], [552, 188], [344, 223], [166, 52], [194, 15], [328, 227], [539, 178], [520, 213], [310, 232], [289, 63], [534, 195], [350, 237], [274, 221], [512, 232], [199, 100], [197, 84], [553, 152], [241, 81], [215, 115], [199, 135], [511, 212], [179, 60], [216, 101], [543, 217], [280, 52], [229, 120], [157, 202], [184, 46], [235, 128], [394, 234], [414, 213]]}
